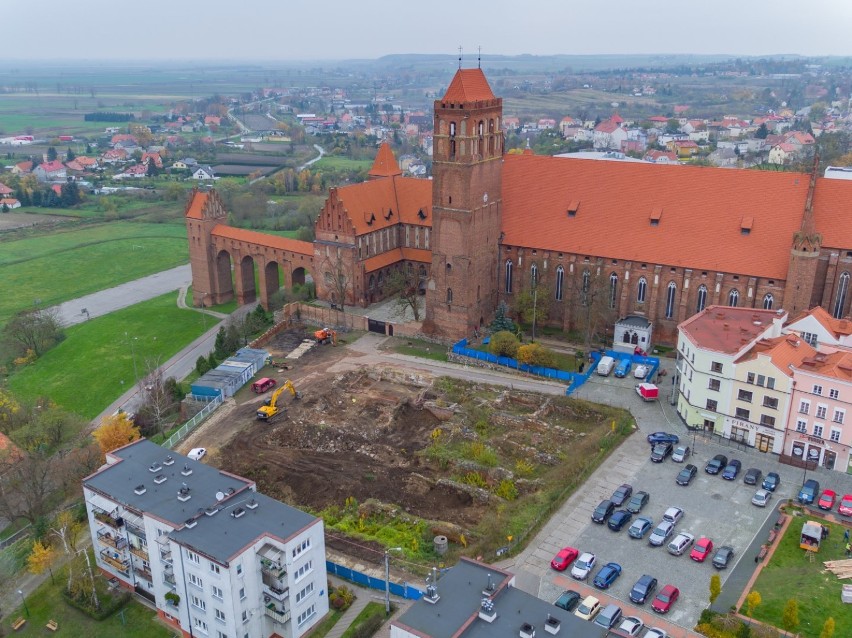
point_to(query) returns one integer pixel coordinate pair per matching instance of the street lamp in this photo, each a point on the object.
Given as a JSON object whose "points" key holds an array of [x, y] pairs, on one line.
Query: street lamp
{"points": [[387, 576], [24, 601]]}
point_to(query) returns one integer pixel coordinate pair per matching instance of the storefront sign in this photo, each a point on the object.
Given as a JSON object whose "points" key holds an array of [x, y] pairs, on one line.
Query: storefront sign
{"points": [[731, 422]]}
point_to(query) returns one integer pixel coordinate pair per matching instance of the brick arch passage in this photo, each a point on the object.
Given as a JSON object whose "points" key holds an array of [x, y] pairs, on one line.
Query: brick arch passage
{"points": [[224, 279], [300, 276], [246, 291], [271, 280]]}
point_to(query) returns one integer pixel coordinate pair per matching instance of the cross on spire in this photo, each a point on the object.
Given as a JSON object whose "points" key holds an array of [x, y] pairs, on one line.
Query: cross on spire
{"points": [[460, 56], [479, 57]]}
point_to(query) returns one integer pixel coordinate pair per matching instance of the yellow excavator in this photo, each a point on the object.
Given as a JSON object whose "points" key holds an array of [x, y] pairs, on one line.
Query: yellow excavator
{"points": [[270, 409]]}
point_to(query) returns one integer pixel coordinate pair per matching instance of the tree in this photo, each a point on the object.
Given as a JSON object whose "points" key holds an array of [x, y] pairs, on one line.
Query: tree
{"points": [[67, 529], [532, 304], [51, 154], [762, 132], [152, 170], [69, 155], [504, 344], [501, 321], [337, 276], [41, 557], [402, 284], [37, 330], [535, 354], [115, 431], [715, 587], [593, 302], [828, 628], [752, 601], [201, 365], [157, 401], [790, 617], [29, 479], [70, 194]]}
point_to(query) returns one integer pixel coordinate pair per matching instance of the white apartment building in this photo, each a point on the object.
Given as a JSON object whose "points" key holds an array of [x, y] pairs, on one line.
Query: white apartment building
{"points": [[819, 328], [217, 558]]}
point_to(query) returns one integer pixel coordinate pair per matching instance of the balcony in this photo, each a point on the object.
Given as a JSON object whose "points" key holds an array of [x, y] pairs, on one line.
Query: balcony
{"points": [[166, 556], [135, 530], [278, 593], [277, 614], [169, 579], [106, 519], [273, 569], [107, 538], [114, 560], [139, 552]]}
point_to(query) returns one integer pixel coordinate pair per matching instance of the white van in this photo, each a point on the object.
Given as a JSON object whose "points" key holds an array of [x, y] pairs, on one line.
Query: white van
{"points": [[605, 366]]}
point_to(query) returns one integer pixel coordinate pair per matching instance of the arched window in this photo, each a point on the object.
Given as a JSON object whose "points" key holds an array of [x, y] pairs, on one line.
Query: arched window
{"points": [[733, 298], [702, 298], [641, 289], [449, 295], [508, 276], [381, 279], [560, 278], [671, 293], [584, 292], [842, 290], [768, 300], [372, 282], [422, 272], [452, 129], [534, 275], [613, 289]]}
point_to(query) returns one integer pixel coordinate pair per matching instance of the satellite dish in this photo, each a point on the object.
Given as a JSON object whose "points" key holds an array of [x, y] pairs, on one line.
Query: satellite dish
{"points": [[220, 496], [614, 105]]}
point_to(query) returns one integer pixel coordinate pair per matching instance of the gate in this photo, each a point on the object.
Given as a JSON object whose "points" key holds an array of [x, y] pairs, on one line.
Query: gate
{"points": [[376, 326]]}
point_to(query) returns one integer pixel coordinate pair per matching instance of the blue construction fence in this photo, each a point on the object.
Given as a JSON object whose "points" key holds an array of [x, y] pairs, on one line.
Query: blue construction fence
{"points": [[403, 590], [573, 379]]}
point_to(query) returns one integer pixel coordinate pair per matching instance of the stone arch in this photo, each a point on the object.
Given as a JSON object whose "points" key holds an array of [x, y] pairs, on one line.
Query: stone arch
{"points": [[224, 282], [300, 276], [246, 290], [272, 280]]}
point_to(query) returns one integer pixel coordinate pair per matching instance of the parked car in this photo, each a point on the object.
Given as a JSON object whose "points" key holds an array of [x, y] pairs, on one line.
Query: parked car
{"points": [[665, 599], [660, 451], [583, 565], [197, 453], [673, 514], [761, 498], [655, 632], [845, 508], [715, 465], [589, 608], [643, 589], [701, 550], [827, 500], [609, 616], [619, 519], [685, 476], [637, 502], [623, 367], [752, 476], [631, 626], [603, 511], [660, 437], [640, 371], [640, 527], [771, 482], [661, 533], [568, 600], [723, 556], [732, 470], [808, 493], [607, 575], [605, 366], [621, 494], [564, 558], [681, 543], [681, 453]]}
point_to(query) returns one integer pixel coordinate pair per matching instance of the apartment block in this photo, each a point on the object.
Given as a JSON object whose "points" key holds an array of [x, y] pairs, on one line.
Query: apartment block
{"points": [[216, 557]]}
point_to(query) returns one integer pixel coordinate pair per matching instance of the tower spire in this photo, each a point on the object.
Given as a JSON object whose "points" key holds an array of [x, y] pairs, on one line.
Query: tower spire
{"points": [[460, 56], [479, 57]]}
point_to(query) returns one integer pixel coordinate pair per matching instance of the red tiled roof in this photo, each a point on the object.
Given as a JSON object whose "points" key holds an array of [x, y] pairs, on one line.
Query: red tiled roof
{"points": [[837, 327], [385, 163], [199, 199], [784, 351], [468, 85], [417, 254], [727, 330], [380, 203], [52, 167], [607, 126], [700, 203], [837, 364], [5, 190], [262, 239]]}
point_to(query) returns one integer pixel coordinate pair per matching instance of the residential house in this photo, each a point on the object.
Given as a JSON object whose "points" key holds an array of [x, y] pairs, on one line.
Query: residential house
{"points": [[213, 555], [683, 148], [820, 329], [179, 165], [5, 191], [114, 156], [9, 202], [137, 171], [124, 140], [22, 168], [74, 166], [215, 120], [660, 157], [659, 121], [783, 153], [50, 171], [88, 163], [608, 135], [203, 172], [152, 157]]}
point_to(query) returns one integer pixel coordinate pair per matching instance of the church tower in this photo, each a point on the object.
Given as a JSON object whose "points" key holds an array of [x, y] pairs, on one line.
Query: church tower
{"points": [[800, 291], [466, 206], [203, 213]]}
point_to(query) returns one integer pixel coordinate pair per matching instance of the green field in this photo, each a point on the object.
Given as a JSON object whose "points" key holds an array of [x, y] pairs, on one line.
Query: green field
{"points": [[65, 265], [99, 355], [336, 163]]}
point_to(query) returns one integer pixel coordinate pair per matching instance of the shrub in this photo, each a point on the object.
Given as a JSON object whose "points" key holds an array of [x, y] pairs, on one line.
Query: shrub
{"points": [[507, 490], [504, 344], [474, 478], [535, 354], [109, 605], [481, 453], [524, 467]]}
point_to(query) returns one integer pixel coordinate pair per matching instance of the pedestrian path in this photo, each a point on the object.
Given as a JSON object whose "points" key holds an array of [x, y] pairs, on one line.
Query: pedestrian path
{"points": [[363, 596]]}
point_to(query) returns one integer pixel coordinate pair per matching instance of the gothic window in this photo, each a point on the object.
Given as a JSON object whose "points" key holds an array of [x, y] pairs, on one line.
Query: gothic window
{"points": [[372, 282], [491, 125], [613, 289], [560, 277], [587, 277], [508, 276], [768, 300], [452, 129], [449, 295], [534, 276], [670, 300], [422, 272], [842, 290], [702, 298], [733, 298], [641, 289], [381, 279]]}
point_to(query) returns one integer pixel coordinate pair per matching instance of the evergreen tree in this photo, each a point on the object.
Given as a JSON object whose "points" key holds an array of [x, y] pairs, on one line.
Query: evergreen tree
{"points": [[201, 365], [70, 194], [219, 348], [51, 154], [69, 155], [502, 321], [211, 360]]}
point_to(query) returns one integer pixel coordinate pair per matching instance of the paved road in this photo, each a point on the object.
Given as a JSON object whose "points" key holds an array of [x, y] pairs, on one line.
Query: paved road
{"points": [[106, 301]]}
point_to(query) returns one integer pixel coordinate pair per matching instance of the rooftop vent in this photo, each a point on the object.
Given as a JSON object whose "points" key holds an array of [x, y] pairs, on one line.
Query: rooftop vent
{"points": [[210, 511], [552, 625], [155, 467], [238, 512], [389, 214], [160, 478], [190, 523], [487, 611], [169, 460], [139, 490], [183, 493], [252, 504], [527, 631], [490, 588], [230, 491], [186, 471]]}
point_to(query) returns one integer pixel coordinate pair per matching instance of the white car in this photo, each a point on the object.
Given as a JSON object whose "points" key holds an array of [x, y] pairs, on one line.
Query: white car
{"points": [[197, 453], [673, 514], [631, 626], [640, 371], [655, 632], [583, 565], [661, 533], [681, 543], [588, 609], [761, 498]]}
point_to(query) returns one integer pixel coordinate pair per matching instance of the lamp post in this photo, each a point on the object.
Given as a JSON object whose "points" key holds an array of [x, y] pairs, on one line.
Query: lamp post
{"points": [[24, 601], [387, 576], [535, 303]]}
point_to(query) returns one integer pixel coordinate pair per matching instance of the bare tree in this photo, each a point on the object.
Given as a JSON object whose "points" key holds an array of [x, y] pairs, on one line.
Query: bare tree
{"points": [[157, 401], [337, 275], [593, 303], [33, 330], [402, 284], [27, 480]]}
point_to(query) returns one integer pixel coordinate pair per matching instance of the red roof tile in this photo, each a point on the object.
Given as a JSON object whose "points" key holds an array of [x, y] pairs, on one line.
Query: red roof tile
{"points": [[700, 203], [262, 239], [5, 190], [832, 208], [837, 364], [395, 255], [380, 203], [784, 351], [837, 327], [196, 206], [468, 85], [385, 163], [727, 330]]}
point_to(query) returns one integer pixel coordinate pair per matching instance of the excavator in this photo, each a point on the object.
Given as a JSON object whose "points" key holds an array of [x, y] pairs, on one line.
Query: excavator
{"points": [[270, 409], [326, 335]]}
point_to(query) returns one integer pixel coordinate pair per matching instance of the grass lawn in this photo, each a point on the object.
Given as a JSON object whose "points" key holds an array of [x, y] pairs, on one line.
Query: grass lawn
{"points": [[372, 609], [418, 348], [96, 355], [791, 575], [337, 163], [326, 625]]}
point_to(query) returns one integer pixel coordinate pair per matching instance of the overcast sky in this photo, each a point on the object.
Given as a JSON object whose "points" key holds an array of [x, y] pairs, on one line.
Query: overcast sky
{"points": [[277, 30]]}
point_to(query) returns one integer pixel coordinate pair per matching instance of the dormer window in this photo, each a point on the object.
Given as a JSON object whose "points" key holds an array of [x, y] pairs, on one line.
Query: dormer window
{"points": [[656, 214], [573, 207], [745, 225]]}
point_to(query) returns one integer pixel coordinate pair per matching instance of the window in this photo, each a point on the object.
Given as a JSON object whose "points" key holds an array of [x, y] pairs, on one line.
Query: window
{"points": [[761, 380], [193, 557], [818, 430], [742, 414], [587, 278], [804, 407], [217, 592], [833, 393], [801, 426], [750, 378], [671, 293], [200, 625], [770, 402], [220, 615], [302, 547], [244, 616], [770, 383], [810, 338], [305, 593], [508, 276], [702, 298], [303, 570], [821, 411], [306, 615], [712, 405], [198, 602], [221, 634], [613, 289], [733, 298], [242, 593], [768, 421], [835, 435], [239, 569], [641, 288], [534, 275], [744, 395], [838, 415], [214, 568], [714, 384], [560, 278], [449, 295], [840, 300], [716, 367], [195, 580], [768, 300], [817, 389]]}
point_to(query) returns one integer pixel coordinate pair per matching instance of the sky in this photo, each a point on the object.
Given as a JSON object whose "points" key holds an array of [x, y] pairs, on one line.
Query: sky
{"points": [[281, 30]]}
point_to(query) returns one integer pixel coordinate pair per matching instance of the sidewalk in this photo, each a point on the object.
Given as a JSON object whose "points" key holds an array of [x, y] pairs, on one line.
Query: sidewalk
{"points": [[364, 596]]}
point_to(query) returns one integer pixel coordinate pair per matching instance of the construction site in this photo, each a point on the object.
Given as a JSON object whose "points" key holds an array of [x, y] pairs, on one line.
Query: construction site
{"points": [[380, 449]]}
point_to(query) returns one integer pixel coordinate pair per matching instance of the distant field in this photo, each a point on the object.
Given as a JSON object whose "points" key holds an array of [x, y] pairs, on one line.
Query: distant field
{"points": [[270, 159], [241, 169], [97, 355], [329, 163]]}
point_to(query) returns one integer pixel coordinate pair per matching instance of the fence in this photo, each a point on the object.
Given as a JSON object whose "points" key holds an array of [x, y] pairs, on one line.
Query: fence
{"points": [[190, 425], [14, 538], [403, 590]]}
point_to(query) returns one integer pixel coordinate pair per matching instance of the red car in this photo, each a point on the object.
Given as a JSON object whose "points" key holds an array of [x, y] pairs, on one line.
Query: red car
{"points": [[701, 550], [665, 599], [827, 500], [845, 508], [564, 558]]}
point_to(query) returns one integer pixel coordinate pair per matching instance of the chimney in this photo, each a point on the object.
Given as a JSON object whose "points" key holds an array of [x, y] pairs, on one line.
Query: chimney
{"points": [[527, 631], [552, 625]]}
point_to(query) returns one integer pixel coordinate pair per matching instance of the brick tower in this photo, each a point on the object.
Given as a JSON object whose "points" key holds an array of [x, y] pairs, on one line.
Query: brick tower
{"points": [[800, 291], [203, 212], [466, 206]]}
